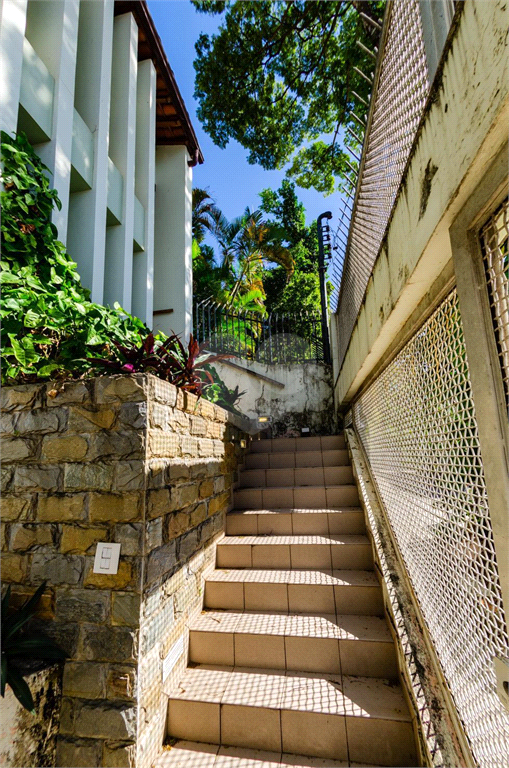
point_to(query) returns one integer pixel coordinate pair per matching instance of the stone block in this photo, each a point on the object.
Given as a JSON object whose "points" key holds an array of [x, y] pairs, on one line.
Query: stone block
{"points": [[41, 420], [180, 422], [56, 569], [198, 514], [218, 503], [130, 537], [114, 508], [24, 536], [79, 753], [130, 388], [65, 635], [119, 756], [85, 680], [207, 530], [165, 444], [125, 444], [66, 392], [121, 682], [207, 409], [15, 507], [218, 448], [178, 470], [125, 609], [103, 643], [3, 536], [198, 426], [189, 446], [158, 502], [45, 607], [219, 484], [22, 396], [61, 508], [38, 478], [177, 524], [7, 476], [83, 420], [65, 448], [206, 489], [161, 561], [18, 449], [88, 477], [187, 546], [14, 567], [106, 721], [159, 415], [206, 448], [184, 495], [125, 578], [129, 475], [154, 534], [82, 605], [134, 415], [220, 414], [155, 473], [78, 538], [162, 391]]}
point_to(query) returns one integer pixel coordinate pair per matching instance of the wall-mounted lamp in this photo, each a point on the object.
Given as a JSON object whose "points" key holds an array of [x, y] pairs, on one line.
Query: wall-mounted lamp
{"points": [[243, 443]]}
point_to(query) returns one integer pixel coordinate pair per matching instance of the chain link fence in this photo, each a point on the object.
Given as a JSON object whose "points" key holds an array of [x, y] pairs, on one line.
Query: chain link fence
{"points": [[397, 106], [418, 427]]}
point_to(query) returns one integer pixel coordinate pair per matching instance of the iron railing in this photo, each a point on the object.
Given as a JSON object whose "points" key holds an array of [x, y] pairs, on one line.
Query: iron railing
{"points": [[400, 89], [275, 339]]}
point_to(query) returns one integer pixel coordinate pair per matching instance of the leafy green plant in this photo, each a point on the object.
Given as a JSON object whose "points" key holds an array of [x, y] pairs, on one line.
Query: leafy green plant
{"points": [[49, 325], [219, 393], [20, 644]]}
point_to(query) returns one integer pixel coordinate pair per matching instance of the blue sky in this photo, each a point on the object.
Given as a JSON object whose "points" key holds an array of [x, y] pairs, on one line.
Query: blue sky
{"points": [[226, 173]]}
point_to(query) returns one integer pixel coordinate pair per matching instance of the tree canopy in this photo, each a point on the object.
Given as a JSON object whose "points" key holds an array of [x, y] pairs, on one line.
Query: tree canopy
{"points": [[279, 77]]}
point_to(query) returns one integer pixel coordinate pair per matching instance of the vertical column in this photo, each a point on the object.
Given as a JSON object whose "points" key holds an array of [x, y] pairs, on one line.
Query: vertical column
{"points": [[12, 31], [52, 29], [122, 148], [145, 176], [86, 236], [173, 268]]}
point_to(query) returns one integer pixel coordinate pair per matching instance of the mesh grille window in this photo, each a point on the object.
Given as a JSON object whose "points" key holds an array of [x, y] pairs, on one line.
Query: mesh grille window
{"points": [[494, 243], [418, 427]]}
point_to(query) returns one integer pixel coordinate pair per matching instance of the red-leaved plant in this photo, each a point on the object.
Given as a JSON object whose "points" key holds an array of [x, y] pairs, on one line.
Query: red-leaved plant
{"points": [[166, 358]]}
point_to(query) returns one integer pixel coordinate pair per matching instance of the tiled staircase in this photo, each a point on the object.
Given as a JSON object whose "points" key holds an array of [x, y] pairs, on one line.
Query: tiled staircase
{"points": [[292, 655]]}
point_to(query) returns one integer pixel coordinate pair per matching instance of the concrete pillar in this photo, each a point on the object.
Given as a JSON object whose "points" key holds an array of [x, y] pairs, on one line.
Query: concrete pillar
{"points": [[52, 30], [122, 149], [86, 238], [145, 177], [12, 31], [173, 267]]}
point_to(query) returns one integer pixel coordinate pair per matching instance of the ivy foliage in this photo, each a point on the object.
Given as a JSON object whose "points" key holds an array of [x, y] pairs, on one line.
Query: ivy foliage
{"points": [[50, 328]]}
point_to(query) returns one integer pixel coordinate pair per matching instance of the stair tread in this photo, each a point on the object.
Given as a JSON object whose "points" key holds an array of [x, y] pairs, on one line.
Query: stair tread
{"points": [[296, 511], [279, 576], [191, 754], [297, 487], [341, 627], [294, 539], [340, 695]]}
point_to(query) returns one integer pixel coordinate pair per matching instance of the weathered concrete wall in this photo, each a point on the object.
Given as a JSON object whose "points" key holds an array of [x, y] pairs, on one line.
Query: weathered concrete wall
{"points": [[293, 396], [26, 739], [127, 459], [463, 131]]}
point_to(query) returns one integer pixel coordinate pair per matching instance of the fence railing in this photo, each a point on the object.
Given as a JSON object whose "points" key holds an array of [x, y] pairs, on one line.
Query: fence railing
{"points": [[274, 339], [400, 89]]}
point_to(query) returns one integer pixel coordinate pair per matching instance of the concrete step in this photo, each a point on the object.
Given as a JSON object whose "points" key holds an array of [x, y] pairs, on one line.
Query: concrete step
{"points": [[290, 444], [325, 591], [284, 460], [260, 522], [270, 478], [342, 717], [347, 551], [355, 645], [194, 754], [309, 497]]}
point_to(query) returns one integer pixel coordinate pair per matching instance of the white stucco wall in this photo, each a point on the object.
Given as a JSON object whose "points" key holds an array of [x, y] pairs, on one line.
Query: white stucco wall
{"points": [[291, 396]]}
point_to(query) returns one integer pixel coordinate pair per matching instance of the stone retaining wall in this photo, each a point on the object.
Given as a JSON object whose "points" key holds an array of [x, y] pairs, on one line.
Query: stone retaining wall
{"points": [[126, 459]]}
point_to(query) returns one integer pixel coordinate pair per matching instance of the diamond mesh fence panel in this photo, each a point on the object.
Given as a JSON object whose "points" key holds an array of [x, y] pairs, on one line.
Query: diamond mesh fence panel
{"points": [[418, 427], [494, 243], [398, 103]]}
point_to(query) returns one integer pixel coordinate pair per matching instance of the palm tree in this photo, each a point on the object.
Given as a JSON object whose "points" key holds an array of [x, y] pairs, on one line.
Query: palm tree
{"points": [[206, 216]]}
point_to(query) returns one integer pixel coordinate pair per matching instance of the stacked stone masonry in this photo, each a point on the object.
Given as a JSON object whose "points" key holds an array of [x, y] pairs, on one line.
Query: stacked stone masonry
{"points": [[127, 459]]}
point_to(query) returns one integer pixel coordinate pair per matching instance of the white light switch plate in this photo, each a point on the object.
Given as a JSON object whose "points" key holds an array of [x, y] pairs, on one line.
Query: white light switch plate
{"points": [[106, 557]]}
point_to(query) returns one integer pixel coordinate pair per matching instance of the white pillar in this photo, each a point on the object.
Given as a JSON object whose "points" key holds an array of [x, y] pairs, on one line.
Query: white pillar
{"points": [[122, 148], [52, 29], [12, 31], [173, 266], [145, 177], [86, 238]]}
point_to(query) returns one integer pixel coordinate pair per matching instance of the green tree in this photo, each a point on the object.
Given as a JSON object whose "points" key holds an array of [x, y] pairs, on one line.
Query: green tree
{"points": [[289, 70], [206, 216]]}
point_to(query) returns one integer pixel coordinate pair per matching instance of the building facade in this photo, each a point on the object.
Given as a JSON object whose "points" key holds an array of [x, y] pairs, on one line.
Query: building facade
{"points": [[89, 83]]}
